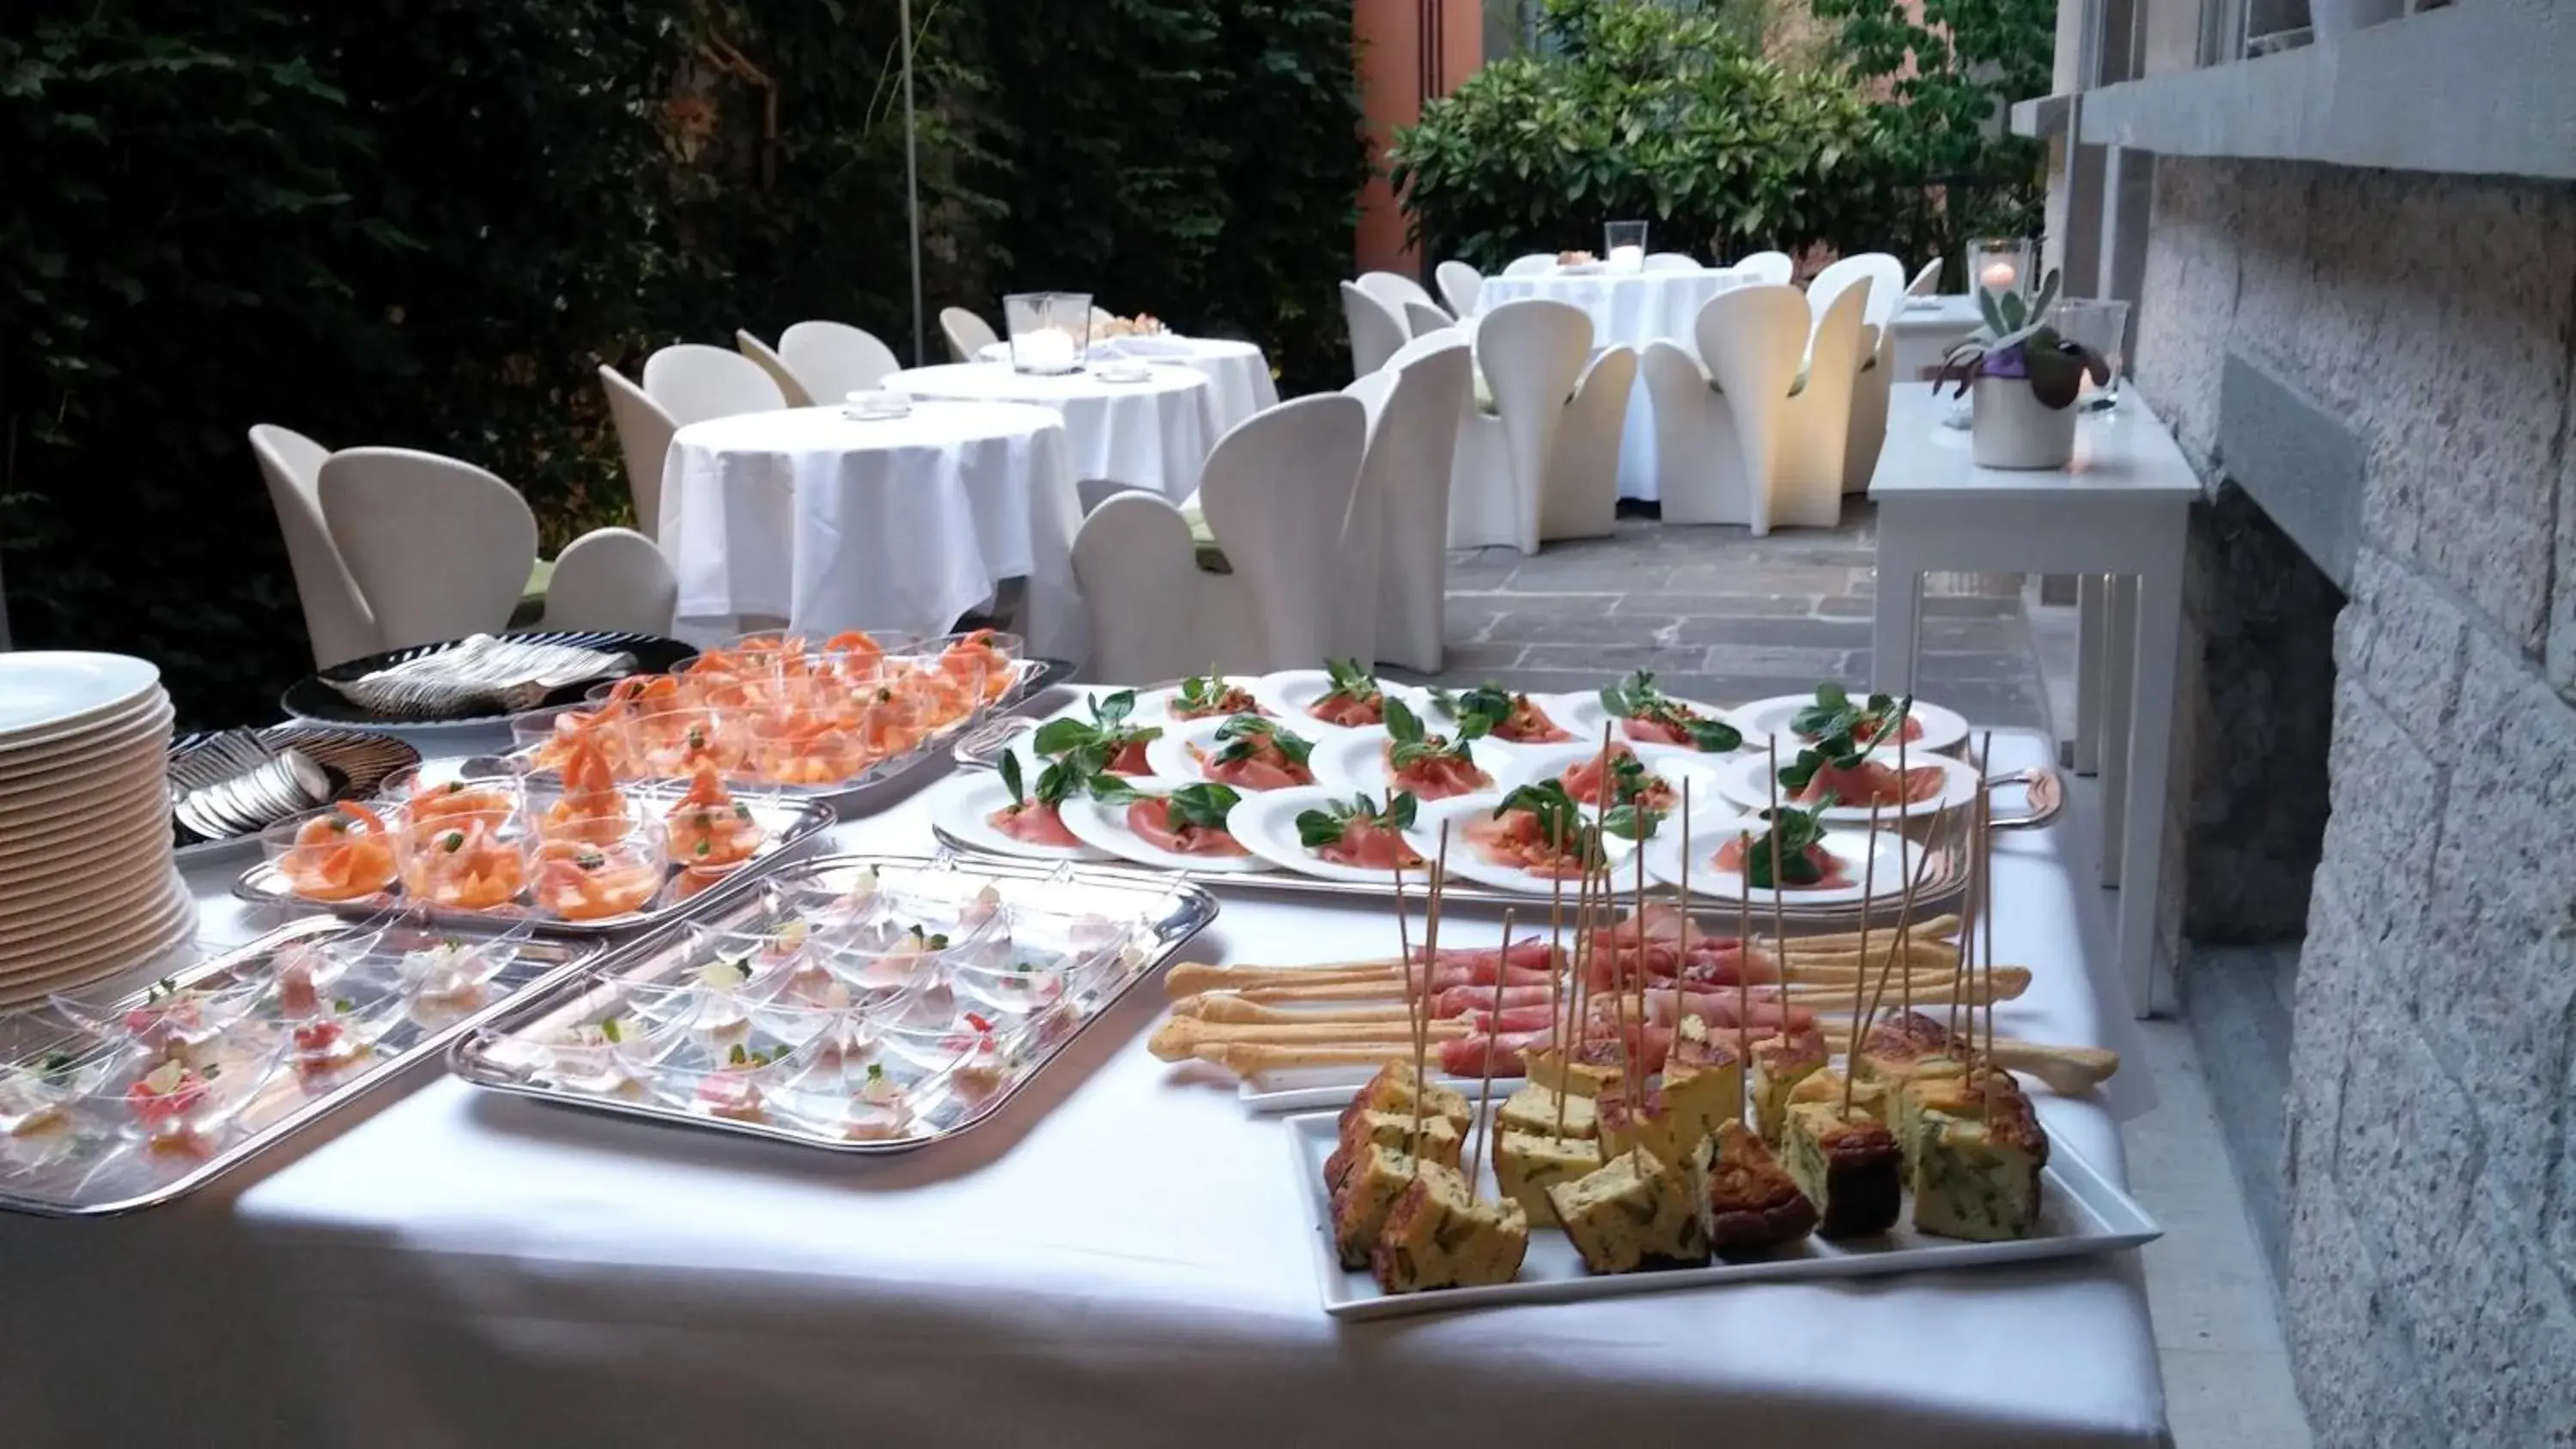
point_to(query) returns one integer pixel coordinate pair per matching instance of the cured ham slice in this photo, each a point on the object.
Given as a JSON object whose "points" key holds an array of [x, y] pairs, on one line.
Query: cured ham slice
{"points": [[1516, 840], [1035, 823], [1265, 768], [1128, 758], [1220, 699], [1867, 730], [1717, 1008], [1438, 776], [1151, 818], [1371, 845], [1349, 710], [1871, 783], [1527, 724], [1828, 866], [1528, 952]]}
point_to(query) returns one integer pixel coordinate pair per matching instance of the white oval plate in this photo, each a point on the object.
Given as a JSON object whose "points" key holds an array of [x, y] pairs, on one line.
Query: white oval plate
{"points": [[1669, 763], [961, 803], [1745, 782], [1585, 716], [1170, 756], [1154, 706], [1104, 825], [1289, 692], [1267, 825], [1465, 861], [1354, 761], [1896, 855], [1944, 730]]}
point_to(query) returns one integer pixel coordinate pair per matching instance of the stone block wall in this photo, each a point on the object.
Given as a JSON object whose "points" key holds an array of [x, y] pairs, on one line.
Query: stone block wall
{"points": [[2431, 1146]]}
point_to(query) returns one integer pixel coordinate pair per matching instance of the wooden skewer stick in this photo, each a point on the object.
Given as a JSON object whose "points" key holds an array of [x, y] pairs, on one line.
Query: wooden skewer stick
{"points": [[1578, 964], [1779, 931], [1555, 967], [1417, 1004], [1743, 970], [1868, 890], [1483, 1134], [1933, 930], [2071, 1070], [1986, 922], [1637, 960], [1904, 912], [1931, 833]]}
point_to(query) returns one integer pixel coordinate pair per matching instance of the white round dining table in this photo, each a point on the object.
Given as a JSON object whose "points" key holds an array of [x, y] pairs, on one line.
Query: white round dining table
{"points": [[834, 522], [1151, 433], [1237, 372]]}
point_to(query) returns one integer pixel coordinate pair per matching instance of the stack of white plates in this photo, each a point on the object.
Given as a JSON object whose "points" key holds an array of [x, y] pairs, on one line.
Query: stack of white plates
{"points": [[87, 888]]}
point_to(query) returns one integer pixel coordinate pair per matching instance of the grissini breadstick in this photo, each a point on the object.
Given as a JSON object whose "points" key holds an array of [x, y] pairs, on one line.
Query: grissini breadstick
{"points": [[1183, 1035], [2070, 1070], [1189, 977], [1246, 1058]]}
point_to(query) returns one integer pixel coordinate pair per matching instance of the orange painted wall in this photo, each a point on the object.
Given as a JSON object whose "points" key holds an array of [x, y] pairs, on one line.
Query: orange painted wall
{"points": [[1390, 34]]}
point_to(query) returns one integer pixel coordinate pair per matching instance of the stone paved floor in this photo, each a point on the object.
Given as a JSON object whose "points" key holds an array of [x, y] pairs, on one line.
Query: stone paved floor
{"points": [[1726, 617]]}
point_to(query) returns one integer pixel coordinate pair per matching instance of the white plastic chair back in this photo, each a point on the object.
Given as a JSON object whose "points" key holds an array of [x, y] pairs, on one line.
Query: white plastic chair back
{"points": [[1886, 276], [1751, 339], [1699, 466], [1671, 262], [968, 335], [644, 436], [1422, 317], [1530, 352], [336, 617], [611, 579], [694, 382], [1395, 289], [1376, 330], [1460, 286], [1582, 496], [1352, 631], [1530, 264], [1927, 282], [1155, 614], [440, 548], [835, 359], [1773, 269], [1816, 437], [776, 366], [1277, 491], [1427, 343], [1411, 454]]}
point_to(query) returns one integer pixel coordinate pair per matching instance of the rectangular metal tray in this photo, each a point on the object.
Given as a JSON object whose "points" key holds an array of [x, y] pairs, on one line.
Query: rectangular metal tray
{"points": [[2081, 1213], [507, 1053], [790, 823], [81, 1185]]}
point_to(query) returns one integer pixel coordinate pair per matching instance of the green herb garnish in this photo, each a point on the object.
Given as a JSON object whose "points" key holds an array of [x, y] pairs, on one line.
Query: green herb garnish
{"points": [[1319, 828], [1205, 806], [1245, 734], [1792, 831], [1349, 681], [1560, 820], [1839, 744], [1637, 697]]}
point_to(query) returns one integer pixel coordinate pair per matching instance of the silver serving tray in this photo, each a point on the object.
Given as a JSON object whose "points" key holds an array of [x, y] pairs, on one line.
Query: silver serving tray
{"points": [[363, 758], [790, 824], [132, 1177], [507, 1054], [2080, 1213]]}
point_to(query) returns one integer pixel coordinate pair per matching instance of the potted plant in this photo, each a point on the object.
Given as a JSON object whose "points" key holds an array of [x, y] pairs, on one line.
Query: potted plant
{"points": [[2022, 380]]}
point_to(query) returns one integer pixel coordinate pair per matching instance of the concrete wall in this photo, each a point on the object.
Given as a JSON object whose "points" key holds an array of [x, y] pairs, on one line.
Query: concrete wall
{"points": [[2428, 1166]]}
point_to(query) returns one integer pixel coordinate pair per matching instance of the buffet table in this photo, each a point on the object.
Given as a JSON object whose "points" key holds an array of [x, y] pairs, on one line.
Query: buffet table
{"points": [[1117, 1258]]}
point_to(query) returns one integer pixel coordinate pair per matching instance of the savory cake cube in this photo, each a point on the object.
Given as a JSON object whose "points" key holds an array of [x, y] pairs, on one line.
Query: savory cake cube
{"points": [[1868, 1098], [1779, 1064], [1527, 1164], [1649, 1123], [1905, 1037], [1393, 1090], [1589, 1069], [1375, 1179], [1752, 1202], [1542, 1110], [1708, 1095], [1977, 1163], [1441, 1140], [1440, 1235], [1848, 1167], [1634, 1211]]}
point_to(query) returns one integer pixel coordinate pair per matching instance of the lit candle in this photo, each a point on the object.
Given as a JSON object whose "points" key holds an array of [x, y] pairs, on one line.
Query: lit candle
{"points": [[1999, 276], [1627, 259]]}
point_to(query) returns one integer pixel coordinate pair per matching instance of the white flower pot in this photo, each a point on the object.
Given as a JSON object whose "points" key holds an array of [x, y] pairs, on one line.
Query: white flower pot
{"points": [[2331, 18], [2011, 428]]}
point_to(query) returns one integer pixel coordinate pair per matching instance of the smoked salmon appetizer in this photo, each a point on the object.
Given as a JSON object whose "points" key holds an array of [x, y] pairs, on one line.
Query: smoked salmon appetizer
{"points": [[1798, 838], [1255, 754], [458, 797], [591, 807], [1188, 821], [805, 746], [340, 856], [709, 829], [1354, 698], [1105, 745], [464, 862], [1035, 820], [674, 743], [583, 880], [1429, 766], [1513, 718], [1538, 829], [1647, 713], [1864, 783], [1360, 834], [1203, 695], [1835, 712]]}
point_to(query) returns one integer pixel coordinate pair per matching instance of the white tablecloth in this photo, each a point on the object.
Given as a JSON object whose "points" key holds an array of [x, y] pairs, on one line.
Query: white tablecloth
{"points": [[1152, 434], [1634, 308], [902, 523], [1116, 1259], [1238, 375]]}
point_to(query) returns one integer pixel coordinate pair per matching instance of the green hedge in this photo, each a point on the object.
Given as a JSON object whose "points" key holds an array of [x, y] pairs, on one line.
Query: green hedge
{"points": [[427, 222]]}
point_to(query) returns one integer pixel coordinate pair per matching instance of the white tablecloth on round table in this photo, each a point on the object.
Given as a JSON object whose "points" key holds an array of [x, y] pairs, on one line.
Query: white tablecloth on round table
{"points": [[1152, 434], [1634, 308], [900, 523], [1236, 371], [1116, 1258]]}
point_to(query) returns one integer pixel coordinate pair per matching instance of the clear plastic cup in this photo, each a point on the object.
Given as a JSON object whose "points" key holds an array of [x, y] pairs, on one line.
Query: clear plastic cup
{"points": [[673, 742], [346, 853], [474, 861], [591, 879]]}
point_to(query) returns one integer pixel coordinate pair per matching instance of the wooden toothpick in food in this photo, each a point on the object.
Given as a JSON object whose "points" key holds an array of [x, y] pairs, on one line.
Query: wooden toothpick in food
{"points": [[1868, 889], [1986, 914], [1744, 970], [1929, 834], [1779, 926], [1904, 918], [1482, 1133]]}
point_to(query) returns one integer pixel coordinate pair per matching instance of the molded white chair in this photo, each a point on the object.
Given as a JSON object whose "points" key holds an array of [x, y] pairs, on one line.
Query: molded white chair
{"points": [[1460, 286], [835, 359], [694, 382], [968, 335], [644, 432], [1671, 262], [1769, 268], [1886, 276], [336, 617], [1377, 330], [1351, 632], [1422, 317], [1582, 495], [1279, 487], [612, 579], [1717, 432], [1412, 448], [1530, 352], [1530, 264], [1927, 282], [440, 548], [1816, 437], [776, 366], [1395, 289]]}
